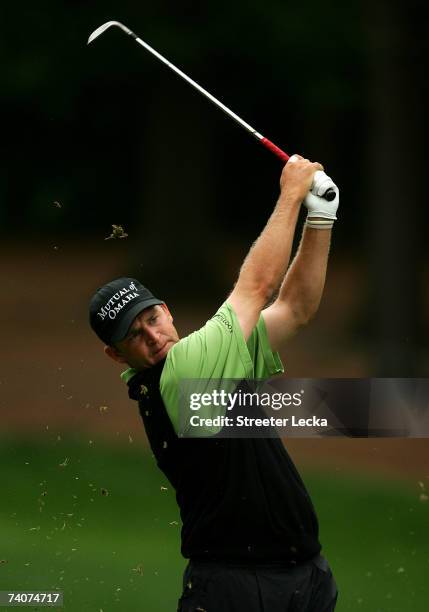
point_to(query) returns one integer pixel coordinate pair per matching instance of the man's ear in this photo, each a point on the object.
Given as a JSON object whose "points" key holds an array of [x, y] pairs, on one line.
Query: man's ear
{"points": [[114, 354], [165, 307]]}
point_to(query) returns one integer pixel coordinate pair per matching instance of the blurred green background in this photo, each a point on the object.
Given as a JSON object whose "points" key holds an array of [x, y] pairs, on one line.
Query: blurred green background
{"points": [[101, 524], [102, 135]]}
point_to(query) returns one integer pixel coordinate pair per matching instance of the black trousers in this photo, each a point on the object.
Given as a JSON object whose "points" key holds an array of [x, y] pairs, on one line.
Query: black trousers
{"points": [[214, 587]]}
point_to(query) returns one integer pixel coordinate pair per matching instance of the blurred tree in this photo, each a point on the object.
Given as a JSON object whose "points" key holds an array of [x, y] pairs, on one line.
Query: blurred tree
{"points": [[395, 187], [116, 138]]}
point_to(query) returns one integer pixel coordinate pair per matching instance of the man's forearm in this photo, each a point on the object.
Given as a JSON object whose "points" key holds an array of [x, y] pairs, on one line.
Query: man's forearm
{"points": [[265, 266], [303, 285], [267, 261]]}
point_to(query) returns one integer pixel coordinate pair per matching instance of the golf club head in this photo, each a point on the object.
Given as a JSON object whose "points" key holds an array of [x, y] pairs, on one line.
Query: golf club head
{"points": [[96, 33]]}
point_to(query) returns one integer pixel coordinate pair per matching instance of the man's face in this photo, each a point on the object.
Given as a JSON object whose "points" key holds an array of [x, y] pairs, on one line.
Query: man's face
{"points": [[150, 337]]}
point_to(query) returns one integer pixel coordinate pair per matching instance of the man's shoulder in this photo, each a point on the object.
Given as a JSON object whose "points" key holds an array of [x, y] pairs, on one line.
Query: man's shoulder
{"points": [[223, 317], [226, 316], [192, 353]]}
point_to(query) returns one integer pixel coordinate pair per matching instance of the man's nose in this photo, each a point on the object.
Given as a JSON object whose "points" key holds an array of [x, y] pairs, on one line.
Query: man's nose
{"points": [[151, 335]]}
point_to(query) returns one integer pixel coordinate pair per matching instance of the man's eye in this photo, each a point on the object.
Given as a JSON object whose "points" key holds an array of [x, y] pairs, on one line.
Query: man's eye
{"points": [[153, 319]]}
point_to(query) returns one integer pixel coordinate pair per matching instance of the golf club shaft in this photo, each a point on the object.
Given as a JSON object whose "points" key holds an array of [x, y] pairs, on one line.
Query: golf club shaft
{"points": [[330, 192], [264, 141]]}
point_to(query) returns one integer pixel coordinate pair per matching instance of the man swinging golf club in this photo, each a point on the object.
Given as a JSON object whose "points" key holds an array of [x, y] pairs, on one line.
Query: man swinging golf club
{"points": [[249, 530]]}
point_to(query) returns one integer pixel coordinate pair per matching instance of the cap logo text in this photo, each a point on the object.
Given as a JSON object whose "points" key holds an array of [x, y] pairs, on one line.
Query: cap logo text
{"points": [[118, 301]]}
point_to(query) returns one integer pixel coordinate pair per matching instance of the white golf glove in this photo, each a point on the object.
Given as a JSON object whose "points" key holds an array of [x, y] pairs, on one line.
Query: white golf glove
{"points": [[321, 213]]}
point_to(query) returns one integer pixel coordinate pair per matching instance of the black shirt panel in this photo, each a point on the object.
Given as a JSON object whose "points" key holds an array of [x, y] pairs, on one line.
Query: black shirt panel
{"points": [[241, 500]]}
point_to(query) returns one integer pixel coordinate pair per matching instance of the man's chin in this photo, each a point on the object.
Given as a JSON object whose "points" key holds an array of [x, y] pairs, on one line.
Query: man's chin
{"points": [[162, 353], [156, 358]]}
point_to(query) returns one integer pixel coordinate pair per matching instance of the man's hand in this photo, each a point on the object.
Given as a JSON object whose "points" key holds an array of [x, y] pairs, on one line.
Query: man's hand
{"points": [[297, 178], [321, 212]]}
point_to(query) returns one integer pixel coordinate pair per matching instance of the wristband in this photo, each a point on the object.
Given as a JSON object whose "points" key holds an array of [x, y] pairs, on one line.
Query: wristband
{"points": [[319, 223]]}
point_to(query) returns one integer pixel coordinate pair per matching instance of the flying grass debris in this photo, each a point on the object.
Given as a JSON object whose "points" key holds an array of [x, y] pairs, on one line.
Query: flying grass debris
{"points": [[423, 496], [138, 569], [117, 232]]}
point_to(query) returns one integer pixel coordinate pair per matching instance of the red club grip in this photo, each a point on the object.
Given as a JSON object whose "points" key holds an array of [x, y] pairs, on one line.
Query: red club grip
{"points": [[274, 149]]}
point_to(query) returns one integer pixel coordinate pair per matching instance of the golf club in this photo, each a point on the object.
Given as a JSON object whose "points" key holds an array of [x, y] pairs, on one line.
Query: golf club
{"points": [[320, 178]]}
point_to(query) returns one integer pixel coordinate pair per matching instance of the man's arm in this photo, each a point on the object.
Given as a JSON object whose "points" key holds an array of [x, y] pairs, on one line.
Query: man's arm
{"points": [[301, 290], [267, 261]]}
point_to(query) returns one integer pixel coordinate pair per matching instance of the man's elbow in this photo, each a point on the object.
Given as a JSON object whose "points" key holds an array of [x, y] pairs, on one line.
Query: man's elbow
{"points": [[303, 316], [260, 291], [267, 291]]}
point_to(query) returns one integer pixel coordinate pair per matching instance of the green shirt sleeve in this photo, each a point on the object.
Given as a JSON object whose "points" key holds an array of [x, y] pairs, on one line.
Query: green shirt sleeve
{"points": [[266, 363], [218, 352]]}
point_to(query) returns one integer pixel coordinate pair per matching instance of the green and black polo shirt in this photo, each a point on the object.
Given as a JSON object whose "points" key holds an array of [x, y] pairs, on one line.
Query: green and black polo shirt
{"points": [[241, 500]]}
